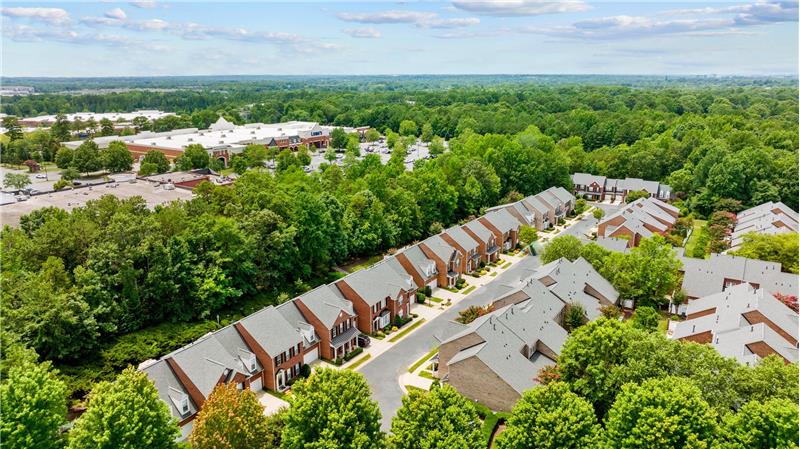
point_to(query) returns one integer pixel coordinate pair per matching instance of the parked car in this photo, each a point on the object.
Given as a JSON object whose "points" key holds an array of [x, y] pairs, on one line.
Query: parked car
{"points": [[41, 176], [363, 341]]}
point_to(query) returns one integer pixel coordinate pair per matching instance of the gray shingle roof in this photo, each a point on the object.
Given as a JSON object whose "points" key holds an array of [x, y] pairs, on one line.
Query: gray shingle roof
{"points": [[205, 362], [561, 194], [703, 277], [502, 220], [271, 330], [613, 244], [571, 281], [419, 261], [326, 303], [170, 389], [462, 238], [537, 204], [506, 331], [379, 281], [442, 249], [640, 184], [480, 230], [731, 332], [586, 179]]}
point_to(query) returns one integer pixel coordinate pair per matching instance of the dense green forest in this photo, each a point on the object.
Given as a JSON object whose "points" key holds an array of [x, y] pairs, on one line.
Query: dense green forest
{"points": [[114, 283]]}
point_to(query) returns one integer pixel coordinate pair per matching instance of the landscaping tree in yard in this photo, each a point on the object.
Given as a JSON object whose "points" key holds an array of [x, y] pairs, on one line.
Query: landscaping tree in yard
{"points": [[436, 419], [645, 318], [527, 234], [16, 181], [660, 414], [69, 174], [635, 195], [574, 316], [771, 378], [125, 414], [34, 407], [587, 358], [332, 409], [562, 246], [117, 158], [598, 213], [551, 417], [770, 424], [158, 159], [647, 274], [147, 169], [230, 419]]}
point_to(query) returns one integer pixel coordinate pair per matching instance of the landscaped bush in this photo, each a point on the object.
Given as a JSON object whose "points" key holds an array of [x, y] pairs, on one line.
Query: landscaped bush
{"points": [[353, 353], [421, 298], [305, 370], [460, 283], [428, 290]]}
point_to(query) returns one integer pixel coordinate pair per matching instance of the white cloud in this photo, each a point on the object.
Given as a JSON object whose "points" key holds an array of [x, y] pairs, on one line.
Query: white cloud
{"points": [[53, 16], [748, 14], [511, 8], [25, 33], [363, 33], [420, 19], [148, 4], [116, 13], [148, 25], [284, 41], [711, 22]]}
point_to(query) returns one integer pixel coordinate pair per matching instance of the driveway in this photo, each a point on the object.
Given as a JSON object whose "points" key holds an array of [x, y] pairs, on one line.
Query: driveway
{"points": [[382, 373], [584, 227]]}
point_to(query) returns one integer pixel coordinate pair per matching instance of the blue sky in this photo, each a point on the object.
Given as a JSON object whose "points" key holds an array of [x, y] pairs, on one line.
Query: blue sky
{"points": [[149, 37]]}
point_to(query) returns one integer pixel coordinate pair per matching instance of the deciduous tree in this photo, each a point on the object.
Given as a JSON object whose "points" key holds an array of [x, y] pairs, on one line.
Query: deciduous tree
{"points": [[551, 417], [230, 419], [436, 419], [125, 414], [567, 246], [348, 419], [34, 407]]}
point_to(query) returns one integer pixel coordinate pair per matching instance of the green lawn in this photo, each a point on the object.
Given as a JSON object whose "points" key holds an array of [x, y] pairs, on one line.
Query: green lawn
{"points": [[402, 333], [359, 362], [435, 299], [490, 419], [469, 290], [424, 359], [411, 388], [427, 375], [698, 230], [506, 265], [493, 274]]}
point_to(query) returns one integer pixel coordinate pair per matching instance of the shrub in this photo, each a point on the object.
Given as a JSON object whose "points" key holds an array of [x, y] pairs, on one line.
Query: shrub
{"points": [[60, 184], [428, 290], [421, 298], [305, 370], [353, 354]]}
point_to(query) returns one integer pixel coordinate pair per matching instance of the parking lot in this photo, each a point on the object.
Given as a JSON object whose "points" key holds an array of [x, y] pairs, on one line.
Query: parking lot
{"points": [[152, 193]]}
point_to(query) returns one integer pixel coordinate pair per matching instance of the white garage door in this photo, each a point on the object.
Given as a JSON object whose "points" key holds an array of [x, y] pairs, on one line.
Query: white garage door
{"points": [[310, 356], [257, 384], [432, 284]]}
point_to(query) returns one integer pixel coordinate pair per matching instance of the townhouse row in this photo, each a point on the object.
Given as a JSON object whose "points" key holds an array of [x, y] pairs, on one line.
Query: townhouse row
{"points": [[600, 188], [269, 348], [769, 218], [640, 219]]}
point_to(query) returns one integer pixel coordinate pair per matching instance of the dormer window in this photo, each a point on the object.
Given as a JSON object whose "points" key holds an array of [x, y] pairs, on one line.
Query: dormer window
{"points": [[183, 405]]}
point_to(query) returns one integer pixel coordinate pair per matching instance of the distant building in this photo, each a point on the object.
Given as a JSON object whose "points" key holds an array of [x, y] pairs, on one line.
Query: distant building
{"points": [[222, 140], [768, 218], [639, 219], [743, 322], [120, 119], [600, 188]]}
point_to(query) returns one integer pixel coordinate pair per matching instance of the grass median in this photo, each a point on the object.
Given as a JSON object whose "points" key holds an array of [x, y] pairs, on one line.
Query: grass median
{"points": [[424, 359], [402, 333]]}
